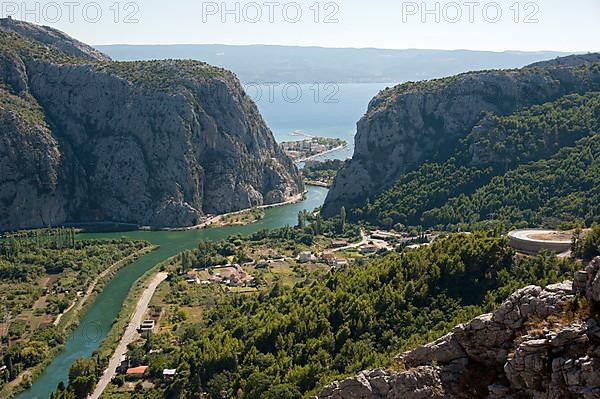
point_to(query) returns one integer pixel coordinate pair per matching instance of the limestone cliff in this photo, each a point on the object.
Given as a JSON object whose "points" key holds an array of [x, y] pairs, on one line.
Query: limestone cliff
{"points": [[154, 143], [421, 122], [540, 343]]}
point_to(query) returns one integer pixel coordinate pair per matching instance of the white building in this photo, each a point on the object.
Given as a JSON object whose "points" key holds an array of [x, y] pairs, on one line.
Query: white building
{"points": [[306, 257]]}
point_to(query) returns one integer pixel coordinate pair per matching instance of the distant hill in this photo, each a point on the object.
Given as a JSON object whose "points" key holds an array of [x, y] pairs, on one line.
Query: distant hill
{"points": [[261, 63]]}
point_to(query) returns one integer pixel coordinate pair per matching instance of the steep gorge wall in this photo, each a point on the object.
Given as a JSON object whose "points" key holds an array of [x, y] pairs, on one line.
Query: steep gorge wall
{"points": [[415, 123], [102, 146]]}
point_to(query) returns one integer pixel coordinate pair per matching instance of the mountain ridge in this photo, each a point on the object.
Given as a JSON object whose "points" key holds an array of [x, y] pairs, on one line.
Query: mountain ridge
{"points": [[311, 64], [429, 122], [157, 143], [53, 38]]}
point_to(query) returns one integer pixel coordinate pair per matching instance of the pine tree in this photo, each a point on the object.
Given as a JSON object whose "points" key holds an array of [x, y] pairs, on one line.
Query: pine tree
{"points": [[343, 219], [301, 220]]}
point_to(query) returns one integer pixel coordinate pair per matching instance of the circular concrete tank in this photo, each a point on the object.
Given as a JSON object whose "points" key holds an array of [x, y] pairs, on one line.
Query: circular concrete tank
{"points": [[533, 241]]}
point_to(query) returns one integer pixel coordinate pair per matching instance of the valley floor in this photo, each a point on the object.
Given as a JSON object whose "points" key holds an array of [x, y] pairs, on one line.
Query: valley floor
{"points": [[130, 334]]}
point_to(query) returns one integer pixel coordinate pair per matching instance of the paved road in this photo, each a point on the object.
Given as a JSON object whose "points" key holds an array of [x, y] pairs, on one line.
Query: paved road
{"points": [[215, 219], [130, 334], [364, 241]]}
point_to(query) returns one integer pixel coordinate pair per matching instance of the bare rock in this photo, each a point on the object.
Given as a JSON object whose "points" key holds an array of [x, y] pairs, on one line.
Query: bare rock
{"points": [[593, 283], [420, 383], [444, 350], [154, 143], [500, 355]]}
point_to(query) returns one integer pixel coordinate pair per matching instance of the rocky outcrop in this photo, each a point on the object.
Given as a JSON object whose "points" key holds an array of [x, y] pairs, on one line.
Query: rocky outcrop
{"points": [[571, 60], [29, 171], [415, 123], [540, 343], [53, 38], [156, 143], [422, 383]]}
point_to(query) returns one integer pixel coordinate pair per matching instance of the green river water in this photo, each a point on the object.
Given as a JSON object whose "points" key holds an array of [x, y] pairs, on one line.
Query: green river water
{"points": [[96, 322]]}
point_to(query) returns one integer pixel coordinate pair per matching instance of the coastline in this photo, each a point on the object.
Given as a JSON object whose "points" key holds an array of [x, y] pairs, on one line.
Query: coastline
{"points": [[208, 222]]}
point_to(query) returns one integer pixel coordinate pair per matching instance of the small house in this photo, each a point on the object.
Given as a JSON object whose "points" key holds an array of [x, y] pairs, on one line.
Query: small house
{"points": [[228, 272], [193, 277], [368, 249], [328, 257], [136, 372], [339, 243], [147, 325], [169, 374]]}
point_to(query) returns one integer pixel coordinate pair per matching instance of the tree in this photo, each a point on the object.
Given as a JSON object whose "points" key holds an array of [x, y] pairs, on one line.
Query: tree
{"points": [[82, 377], [186, 261], [83, 386], [11, 368], [343, 219], [590, 248], [301, 220], [283, 391], [284, 343]]}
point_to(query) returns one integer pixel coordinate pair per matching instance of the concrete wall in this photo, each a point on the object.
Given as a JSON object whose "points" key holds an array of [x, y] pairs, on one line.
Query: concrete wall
{"points": [[520, 242]]}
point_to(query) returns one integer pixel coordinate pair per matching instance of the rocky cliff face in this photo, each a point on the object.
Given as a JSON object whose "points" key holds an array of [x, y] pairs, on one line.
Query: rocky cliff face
{"points": [[415, 123], [541, 343], [154, 143]]}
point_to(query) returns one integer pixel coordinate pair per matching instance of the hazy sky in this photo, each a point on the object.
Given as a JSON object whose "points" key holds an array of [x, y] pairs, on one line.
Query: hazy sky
{"points": [[484, 25]]}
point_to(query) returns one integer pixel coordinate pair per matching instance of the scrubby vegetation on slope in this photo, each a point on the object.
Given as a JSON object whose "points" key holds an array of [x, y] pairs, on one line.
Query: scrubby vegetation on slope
{"points": [[541, 167], [286, 343]]}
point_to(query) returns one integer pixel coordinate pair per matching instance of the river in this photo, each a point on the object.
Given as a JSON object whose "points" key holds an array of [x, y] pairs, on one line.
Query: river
{"points": [[96, 322], [332, 113]]}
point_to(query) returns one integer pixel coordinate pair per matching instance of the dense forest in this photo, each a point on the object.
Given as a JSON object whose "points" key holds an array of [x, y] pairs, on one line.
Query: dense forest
{"points": [[287, 342], [539, 166]]}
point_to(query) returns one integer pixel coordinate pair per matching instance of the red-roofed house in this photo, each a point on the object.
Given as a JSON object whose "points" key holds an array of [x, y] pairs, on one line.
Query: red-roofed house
{"points": [[137, 371]]}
